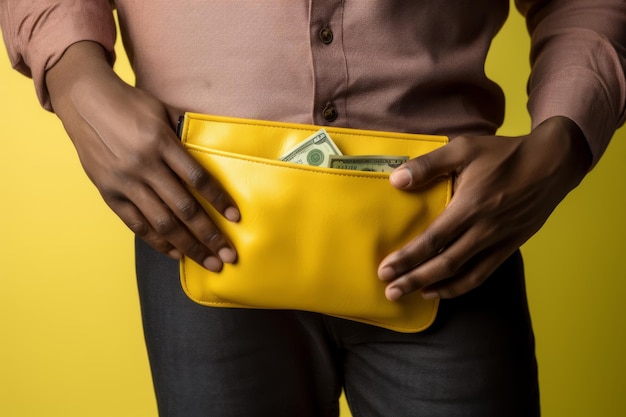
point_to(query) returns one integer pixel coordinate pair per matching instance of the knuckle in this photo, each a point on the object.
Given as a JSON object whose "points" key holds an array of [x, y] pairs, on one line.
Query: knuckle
{"points": [[141, 155], [410, 284], [212, 237], [448, 265], [195, 250], [164, 225], [151, 135], [218, 198], [139, 227], [475, 280], [404, 261], [187, 208], [136, 159], [159, 244], [198, 178], [109, 193], [433, 243]]}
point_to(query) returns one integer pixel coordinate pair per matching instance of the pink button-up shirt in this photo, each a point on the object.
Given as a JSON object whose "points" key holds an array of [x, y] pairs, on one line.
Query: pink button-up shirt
{"points": [[414, 66]]}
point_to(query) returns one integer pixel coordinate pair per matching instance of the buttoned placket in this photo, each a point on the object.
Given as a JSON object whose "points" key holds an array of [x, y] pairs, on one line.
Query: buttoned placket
{"points": [[329, 62]]}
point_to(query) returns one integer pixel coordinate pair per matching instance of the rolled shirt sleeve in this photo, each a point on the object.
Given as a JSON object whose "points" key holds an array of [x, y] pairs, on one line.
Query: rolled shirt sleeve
{"points": [[578, 63], [578, 60], [37, 33]]}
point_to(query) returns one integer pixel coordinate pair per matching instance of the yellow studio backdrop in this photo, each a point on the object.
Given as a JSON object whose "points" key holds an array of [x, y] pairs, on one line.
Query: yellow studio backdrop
{"points": [[71, 342]]}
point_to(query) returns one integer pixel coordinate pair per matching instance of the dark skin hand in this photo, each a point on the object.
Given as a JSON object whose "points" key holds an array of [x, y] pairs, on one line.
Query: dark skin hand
{"points": [[505, 188], [504, 191], [127, 146]]}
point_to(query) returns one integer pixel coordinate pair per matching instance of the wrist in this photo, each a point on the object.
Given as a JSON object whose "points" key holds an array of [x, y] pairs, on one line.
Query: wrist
{"points": [[82, 62], [570, 143]]}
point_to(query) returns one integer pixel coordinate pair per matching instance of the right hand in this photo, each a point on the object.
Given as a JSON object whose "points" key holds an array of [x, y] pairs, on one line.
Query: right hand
{"points": [[126, 144]]}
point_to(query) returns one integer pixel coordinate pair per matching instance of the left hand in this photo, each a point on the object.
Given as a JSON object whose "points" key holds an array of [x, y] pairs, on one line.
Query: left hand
{"points": [[504, 191]]}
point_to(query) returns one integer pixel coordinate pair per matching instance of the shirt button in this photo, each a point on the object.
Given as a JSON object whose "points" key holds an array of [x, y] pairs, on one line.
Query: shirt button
{"points": [[326, 35], [330, 113]]}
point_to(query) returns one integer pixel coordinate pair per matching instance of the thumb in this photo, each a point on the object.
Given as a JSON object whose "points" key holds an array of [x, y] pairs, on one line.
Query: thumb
{"points": [[426, 168]]}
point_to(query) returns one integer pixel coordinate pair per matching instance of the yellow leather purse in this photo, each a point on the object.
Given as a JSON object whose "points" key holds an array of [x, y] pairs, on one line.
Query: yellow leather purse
{"points": [[310, 238]]}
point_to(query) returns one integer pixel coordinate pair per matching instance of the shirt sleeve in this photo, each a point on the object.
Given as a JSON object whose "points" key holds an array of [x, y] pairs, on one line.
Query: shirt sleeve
{"points": [[578, 59], [37, 33]]}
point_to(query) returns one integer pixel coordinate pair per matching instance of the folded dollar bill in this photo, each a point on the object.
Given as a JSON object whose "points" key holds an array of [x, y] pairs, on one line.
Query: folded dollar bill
{"points": [[320, 150], [314, 150], [372, 163]]}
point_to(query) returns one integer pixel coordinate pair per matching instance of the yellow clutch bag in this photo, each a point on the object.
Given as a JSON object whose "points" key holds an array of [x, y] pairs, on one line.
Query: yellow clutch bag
{"points": [[310, 237]]}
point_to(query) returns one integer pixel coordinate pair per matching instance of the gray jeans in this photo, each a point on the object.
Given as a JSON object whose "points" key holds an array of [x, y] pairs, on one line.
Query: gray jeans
{"points": [[476, 360]]}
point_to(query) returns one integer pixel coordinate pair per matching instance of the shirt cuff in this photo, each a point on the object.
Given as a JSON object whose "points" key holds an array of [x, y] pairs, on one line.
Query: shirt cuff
{"points": [[579, 94], [54, 34]]}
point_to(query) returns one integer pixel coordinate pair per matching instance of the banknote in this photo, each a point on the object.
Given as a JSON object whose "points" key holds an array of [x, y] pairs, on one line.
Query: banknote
{"points": [[314, 150], [372, 163]]}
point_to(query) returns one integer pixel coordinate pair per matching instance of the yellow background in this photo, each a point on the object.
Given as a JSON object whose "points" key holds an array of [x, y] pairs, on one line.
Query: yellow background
{"points": [[70, 334]]}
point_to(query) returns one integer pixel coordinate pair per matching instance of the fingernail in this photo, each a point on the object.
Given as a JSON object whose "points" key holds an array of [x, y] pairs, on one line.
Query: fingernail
{"points": [[386, 273], [430, 295], [232, 214], [227, 255], [175, 253], [393, 294], [213, 263], [400, 178]]}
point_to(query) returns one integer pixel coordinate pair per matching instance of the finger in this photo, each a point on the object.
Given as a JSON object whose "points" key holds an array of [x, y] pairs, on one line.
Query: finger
{"points": [[471, 278], [166, 225], [195, 176], [424, 169], [191, 213], [446, 264], [139, 225], [455, 220]]}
